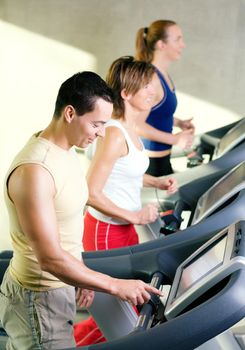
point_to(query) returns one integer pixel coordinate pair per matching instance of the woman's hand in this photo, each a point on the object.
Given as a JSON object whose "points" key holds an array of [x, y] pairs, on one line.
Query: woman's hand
{"points": [[84, 297], [185, 124], [169, 184], [147, 214], [184, 139]]}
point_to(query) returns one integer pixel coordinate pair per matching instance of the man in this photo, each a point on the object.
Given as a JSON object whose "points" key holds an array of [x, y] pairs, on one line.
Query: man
{"points": [[45, 192]]}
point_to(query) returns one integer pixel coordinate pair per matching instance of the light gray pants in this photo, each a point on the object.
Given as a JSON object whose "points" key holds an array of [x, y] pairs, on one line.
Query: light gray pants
{"points": [[37, 320]]}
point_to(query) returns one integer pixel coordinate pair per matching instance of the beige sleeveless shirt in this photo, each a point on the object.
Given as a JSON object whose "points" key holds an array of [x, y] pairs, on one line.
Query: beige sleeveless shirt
{"points": [[71, 196]]}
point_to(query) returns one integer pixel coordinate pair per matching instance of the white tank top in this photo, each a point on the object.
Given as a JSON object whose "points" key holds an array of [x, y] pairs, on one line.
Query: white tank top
{"points": [[125, 182]]}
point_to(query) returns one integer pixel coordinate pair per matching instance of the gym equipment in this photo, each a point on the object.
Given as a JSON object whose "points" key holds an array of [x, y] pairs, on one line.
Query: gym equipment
{"points": [[224, 189], [200, 199], [194, 316], [229, 152], [217, 142], [230, 207], [163, 255], [5, 257]]}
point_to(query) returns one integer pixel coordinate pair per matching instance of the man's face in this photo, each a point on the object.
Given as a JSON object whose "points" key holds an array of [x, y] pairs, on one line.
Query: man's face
{"points": [[90, 125]]}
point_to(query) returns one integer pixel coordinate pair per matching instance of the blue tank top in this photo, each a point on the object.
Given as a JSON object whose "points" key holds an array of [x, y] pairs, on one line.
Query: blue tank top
{"points": [[161, 116]]}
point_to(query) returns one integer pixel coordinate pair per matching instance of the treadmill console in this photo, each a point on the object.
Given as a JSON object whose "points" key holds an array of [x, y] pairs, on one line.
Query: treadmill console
{"points": [[222, 190], [216, 259], [232, 138]]}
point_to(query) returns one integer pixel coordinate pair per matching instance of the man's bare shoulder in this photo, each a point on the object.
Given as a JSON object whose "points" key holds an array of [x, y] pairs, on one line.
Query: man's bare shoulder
{"points": [[29, 178]]}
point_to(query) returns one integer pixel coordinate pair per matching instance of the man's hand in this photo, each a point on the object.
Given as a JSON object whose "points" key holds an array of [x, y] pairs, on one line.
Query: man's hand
{"points": [[135, 292]]}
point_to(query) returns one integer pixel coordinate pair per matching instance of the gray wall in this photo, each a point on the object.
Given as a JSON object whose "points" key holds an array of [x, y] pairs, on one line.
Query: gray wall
{"points": [[209, 77], [213, 64]]}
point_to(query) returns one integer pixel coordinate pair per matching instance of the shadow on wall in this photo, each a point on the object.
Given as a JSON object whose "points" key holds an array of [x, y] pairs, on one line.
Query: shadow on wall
{"points": [[212, 66], [32, 69]]}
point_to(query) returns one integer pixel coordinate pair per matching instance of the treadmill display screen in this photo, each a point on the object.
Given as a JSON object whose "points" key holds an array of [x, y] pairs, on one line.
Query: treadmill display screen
{"points": [[224, 186], [231, 138], [201, 266]]}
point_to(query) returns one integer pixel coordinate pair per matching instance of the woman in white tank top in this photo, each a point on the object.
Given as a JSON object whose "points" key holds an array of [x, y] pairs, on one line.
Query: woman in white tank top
{"points": [[117, 172]]}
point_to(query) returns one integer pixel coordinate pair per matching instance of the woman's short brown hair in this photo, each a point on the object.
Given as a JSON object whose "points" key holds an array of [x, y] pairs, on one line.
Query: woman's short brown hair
{"points": [[129, 74]]}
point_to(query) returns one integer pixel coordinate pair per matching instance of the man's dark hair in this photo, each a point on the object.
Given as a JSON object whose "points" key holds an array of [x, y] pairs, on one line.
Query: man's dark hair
{"points": [[82, 91]]}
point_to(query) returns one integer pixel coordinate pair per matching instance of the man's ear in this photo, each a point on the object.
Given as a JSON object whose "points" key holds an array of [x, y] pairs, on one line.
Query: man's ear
{"points": [[69, 113]]}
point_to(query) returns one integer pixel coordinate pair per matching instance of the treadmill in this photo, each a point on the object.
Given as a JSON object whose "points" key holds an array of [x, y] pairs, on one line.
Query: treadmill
{"points": [[196, 201], [216, 142], [171, 247], [205, 298], [228, 152], [156, 262]]}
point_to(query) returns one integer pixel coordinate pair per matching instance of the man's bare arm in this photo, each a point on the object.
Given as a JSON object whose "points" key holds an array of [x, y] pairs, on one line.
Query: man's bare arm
{"points": [[32, 190]]}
